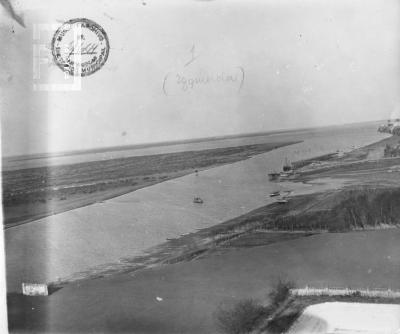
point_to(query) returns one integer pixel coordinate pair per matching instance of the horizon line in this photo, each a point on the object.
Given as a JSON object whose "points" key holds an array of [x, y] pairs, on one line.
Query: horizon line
{"points": [[41, 155]]}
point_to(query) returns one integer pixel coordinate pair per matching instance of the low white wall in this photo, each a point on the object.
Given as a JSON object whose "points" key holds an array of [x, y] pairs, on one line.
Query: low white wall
{"points": [[382, 293]]}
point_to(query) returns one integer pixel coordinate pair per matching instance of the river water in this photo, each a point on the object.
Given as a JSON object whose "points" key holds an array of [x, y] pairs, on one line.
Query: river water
{"points": [[60, 245]]}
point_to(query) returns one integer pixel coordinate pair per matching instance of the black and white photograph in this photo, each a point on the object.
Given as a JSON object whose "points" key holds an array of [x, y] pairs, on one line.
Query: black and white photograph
{"points": [[200, 166]]}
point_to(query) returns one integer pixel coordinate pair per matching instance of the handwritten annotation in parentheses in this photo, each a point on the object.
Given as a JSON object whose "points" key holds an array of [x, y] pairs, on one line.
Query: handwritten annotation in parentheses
{"points": [[227, 81]]}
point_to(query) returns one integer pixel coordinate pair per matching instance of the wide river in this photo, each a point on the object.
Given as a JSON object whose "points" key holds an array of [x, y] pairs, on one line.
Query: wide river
{"points": [[73, 241]]}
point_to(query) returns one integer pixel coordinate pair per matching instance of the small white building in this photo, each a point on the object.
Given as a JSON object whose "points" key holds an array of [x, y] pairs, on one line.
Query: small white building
{"points": [[34, 289]]}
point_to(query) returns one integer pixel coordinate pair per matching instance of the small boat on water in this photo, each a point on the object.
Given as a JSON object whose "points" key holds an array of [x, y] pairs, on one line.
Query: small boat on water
{"points": [[274, 194], [273, 176], [287, 167], [287, 175], [282, 200], [284, 197], [198, 200]]}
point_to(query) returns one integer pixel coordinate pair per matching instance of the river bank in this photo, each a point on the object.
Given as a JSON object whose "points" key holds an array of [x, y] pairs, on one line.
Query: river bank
{"points": [[223, 262]]}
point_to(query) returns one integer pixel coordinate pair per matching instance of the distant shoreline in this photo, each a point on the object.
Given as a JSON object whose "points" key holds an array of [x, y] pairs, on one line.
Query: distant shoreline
{"points": [[23, 157]]}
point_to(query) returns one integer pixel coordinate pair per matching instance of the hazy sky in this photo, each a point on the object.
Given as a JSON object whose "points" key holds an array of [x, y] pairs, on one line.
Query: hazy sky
{"points": [[305, 63]]}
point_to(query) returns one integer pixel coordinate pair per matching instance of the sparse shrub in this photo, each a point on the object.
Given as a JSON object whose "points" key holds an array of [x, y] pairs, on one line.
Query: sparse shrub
{"points": [[241, 318], [245, 315], [280, 292], [283, 321]]}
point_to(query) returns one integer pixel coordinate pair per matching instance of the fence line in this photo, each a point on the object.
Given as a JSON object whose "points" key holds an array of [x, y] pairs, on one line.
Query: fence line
{"points": [[381, 293]]}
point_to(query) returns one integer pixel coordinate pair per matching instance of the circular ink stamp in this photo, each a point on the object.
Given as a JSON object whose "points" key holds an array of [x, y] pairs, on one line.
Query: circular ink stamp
{"points": [[80, 47]]}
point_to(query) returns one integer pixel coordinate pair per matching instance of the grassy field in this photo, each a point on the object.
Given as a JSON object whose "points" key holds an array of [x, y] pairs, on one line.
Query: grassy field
{"points": [[34, 193]]}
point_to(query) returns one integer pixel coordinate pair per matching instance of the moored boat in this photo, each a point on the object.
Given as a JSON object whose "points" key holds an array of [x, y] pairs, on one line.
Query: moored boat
{"points": [[274, 194], [282, 201], [273, 176], [287, 167], [198, 200]]}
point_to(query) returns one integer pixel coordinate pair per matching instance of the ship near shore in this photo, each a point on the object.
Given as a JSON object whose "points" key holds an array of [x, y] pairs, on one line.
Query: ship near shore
{"points": [[392, 126]]}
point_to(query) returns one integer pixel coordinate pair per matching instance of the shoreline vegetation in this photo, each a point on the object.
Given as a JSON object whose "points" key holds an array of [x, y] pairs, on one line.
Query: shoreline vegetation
{"points": [[34, 193]]}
